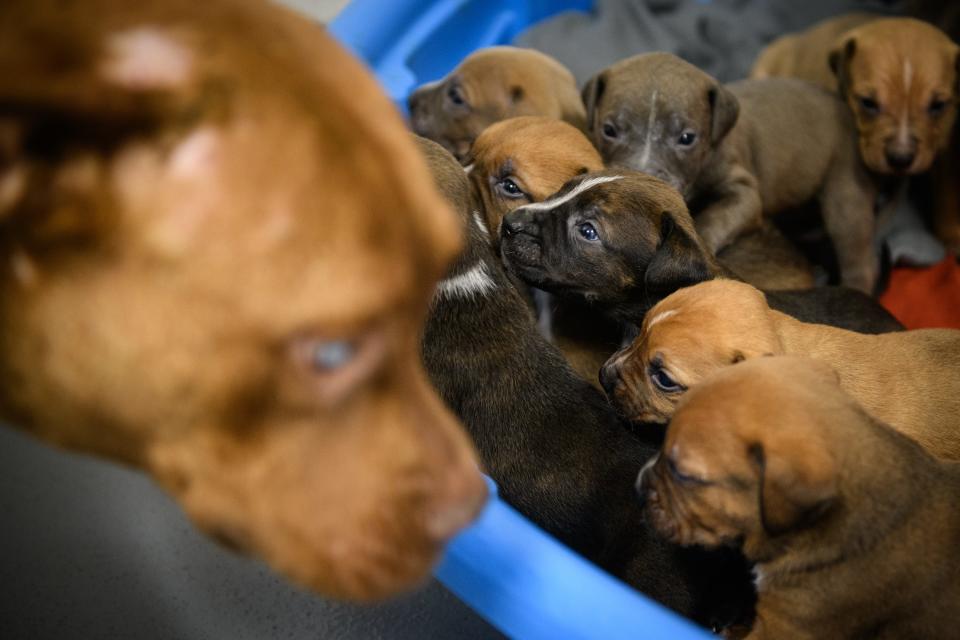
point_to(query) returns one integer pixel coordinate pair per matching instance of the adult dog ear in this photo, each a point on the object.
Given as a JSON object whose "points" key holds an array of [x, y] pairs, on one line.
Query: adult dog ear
{"points": [[839, 61], [679, 261], [60, 123], [591, 95], [797, 485], [725, 109]]}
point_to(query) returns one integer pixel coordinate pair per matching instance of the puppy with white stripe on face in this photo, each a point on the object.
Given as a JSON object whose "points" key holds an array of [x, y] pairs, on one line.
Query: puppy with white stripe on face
{"points": [[624, 240], [558, 451]]}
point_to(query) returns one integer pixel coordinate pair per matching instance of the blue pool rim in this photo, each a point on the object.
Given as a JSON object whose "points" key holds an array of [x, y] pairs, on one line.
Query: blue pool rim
{"points": [[513, 574]]}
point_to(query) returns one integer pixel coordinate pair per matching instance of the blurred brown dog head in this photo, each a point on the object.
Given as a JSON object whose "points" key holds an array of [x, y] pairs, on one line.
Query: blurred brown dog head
{"points": [[900, 78], [684, 339], [199, 277], [747, 458], [490, 85], [523, 160]]}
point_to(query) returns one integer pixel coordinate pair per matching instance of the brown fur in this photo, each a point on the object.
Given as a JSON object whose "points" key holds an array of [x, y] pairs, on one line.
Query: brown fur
{"points": [[909, 379], [739, 153], [187, 219], [494, 84], [902, 64], [852, 527]]}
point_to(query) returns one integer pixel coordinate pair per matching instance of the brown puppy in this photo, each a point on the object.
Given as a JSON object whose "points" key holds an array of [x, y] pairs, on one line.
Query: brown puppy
{"points": [[524, 160], [738, 152], [898, 75], [909, 379], [200, 279], [622, 241], [493, 84], [852, 527]]}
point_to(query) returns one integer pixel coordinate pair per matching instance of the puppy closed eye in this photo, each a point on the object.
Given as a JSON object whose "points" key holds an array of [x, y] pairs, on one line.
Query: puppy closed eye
{"points": [[334, 367], [937, 107], [869, 105], [663, 381], [455, 96], [680, 476]]}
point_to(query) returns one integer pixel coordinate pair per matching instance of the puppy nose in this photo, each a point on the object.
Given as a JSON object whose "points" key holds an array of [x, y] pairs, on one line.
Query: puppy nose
{"points": [[514, 223], [609, 375], [900, 159]]}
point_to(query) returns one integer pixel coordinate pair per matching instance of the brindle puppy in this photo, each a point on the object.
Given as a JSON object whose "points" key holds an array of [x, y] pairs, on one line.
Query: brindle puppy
{"points": [[556, 448], [625, 240]]}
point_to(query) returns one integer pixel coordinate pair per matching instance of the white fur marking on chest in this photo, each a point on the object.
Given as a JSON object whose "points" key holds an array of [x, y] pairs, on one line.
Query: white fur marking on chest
{"points": [[648, 142], [481, 224], [475, 281], [589, 183]]}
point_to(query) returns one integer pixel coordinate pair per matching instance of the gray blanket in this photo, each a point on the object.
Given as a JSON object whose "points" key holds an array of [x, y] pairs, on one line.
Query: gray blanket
{"points": [[722, 37]]}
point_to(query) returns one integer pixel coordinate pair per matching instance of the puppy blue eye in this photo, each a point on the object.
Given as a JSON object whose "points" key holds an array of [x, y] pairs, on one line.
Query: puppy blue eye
{"points": [[687, 138], [609, 130], [510, 188], [936, 107], [455, 95], [868, 104], [330, 356], [664, 382], [588, 231]]}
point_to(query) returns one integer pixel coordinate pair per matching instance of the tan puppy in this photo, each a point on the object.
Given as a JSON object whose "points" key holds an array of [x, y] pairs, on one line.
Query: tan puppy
{"points": [[490, 85], [909, 379], [898, 75], [853, 529], [199, 278], [522, 160]]}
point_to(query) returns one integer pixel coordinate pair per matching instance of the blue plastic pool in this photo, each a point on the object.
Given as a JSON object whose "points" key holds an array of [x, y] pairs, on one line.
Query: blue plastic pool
{"points": [[517, 577]]}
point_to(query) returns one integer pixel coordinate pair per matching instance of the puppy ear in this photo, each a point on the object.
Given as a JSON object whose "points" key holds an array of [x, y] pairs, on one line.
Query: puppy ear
{"points": [[797, 485], [591, 95], [839, 60], [725, 109], [680, 260]]}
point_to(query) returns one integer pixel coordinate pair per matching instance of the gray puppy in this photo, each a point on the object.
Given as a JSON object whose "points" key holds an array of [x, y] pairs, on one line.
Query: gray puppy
{"points": [[738, 152]]}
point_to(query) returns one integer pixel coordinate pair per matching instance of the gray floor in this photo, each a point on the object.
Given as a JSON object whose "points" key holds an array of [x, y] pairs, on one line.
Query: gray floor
{"points": [[92, 550]]}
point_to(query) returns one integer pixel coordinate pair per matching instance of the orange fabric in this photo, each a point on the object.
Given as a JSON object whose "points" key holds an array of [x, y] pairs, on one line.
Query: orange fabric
{"points": [[927, 297]]}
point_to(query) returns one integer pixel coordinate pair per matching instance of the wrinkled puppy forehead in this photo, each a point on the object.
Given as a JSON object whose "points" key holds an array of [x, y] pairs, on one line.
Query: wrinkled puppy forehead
{"points": [[656, 79]]}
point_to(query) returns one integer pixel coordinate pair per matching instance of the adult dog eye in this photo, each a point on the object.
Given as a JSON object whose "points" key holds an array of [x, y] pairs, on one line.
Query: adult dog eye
{"points": [[687, 138], [510, 189], [609, 131], [330, 356], [664, 382], [455, 95], [332, 368], [869, 105], [936, 107], [588, 231]]}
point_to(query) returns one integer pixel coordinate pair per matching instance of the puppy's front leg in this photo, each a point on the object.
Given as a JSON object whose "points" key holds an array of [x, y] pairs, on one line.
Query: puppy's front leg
{"points": [[847, 208], [737, 210]]}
